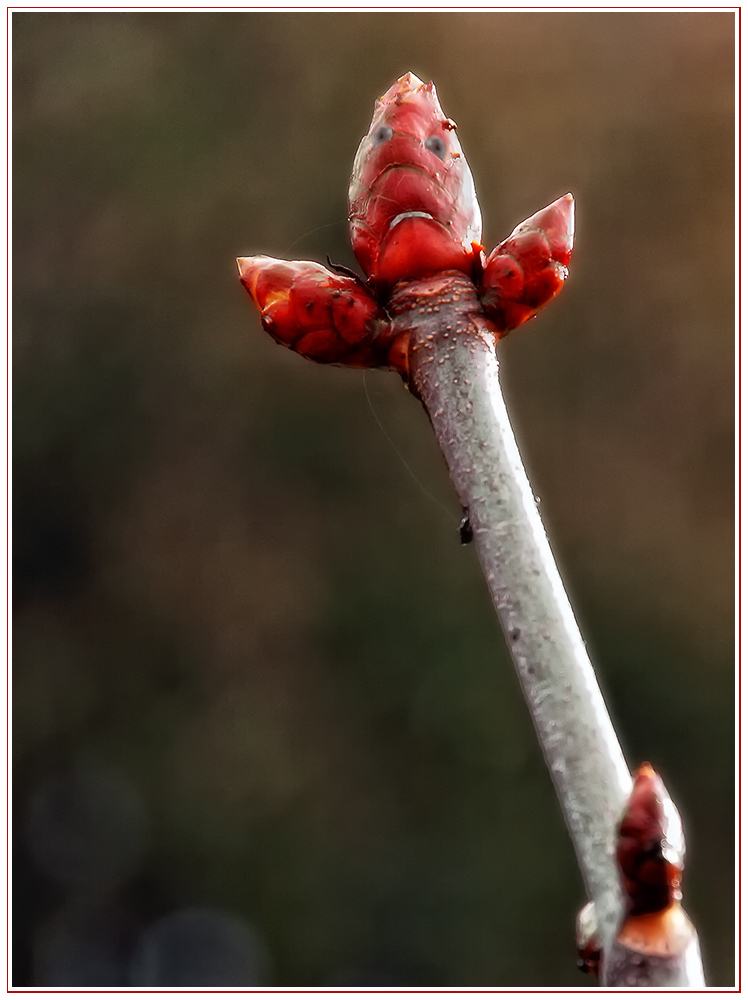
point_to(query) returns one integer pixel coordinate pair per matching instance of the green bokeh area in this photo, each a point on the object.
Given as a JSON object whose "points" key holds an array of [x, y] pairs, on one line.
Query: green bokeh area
{"points": [[266, 731]]}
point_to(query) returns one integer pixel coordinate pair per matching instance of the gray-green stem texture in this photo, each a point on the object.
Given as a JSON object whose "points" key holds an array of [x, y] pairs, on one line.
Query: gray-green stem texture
{"points": [[454, 371]]}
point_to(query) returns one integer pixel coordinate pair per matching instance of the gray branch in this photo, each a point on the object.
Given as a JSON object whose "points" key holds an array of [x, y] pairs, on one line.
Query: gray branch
{"points": [[457, 379]]}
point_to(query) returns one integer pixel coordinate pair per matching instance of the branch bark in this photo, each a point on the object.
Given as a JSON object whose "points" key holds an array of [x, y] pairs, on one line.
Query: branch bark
{"points": [[454, 371]]}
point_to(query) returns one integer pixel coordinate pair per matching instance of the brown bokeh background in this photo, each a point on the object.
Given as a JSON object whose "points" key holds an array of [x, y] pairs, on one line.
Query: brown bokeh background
{"points": [[265, 728]]}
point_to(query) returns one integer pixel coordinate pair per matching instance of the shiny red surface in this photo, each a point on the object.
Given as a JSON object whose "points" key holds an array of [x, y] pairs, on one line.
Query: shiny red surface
{"points": [[528, 269], [650, 845], [325, 317], [413, 214], [401, 174]]}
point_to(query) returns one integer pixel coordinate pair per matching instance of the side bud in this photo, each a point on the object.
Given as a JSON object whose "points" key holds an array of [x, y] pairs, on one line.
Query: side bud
{"points": [[326, 317], [530, 267]]}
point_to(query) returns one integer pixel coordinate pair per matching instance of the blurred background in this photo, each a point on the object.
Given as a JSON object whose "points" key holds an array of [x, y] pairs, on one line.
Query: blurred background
{"points": [[265, 728]]}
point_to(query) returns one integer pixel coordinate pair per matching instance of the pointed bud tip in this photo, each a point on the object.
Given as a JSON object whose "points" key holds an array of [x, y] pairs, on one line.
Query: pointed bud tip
{"points": [[247, 266], [249, 273], [407, 84], [410, 81], [564, 206]]}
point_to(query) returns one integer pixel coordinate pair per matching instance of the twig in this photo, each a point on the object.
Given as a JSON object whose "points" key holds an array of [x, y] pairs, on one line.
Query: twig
{"points": [[454, 371], [416, 235]]}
